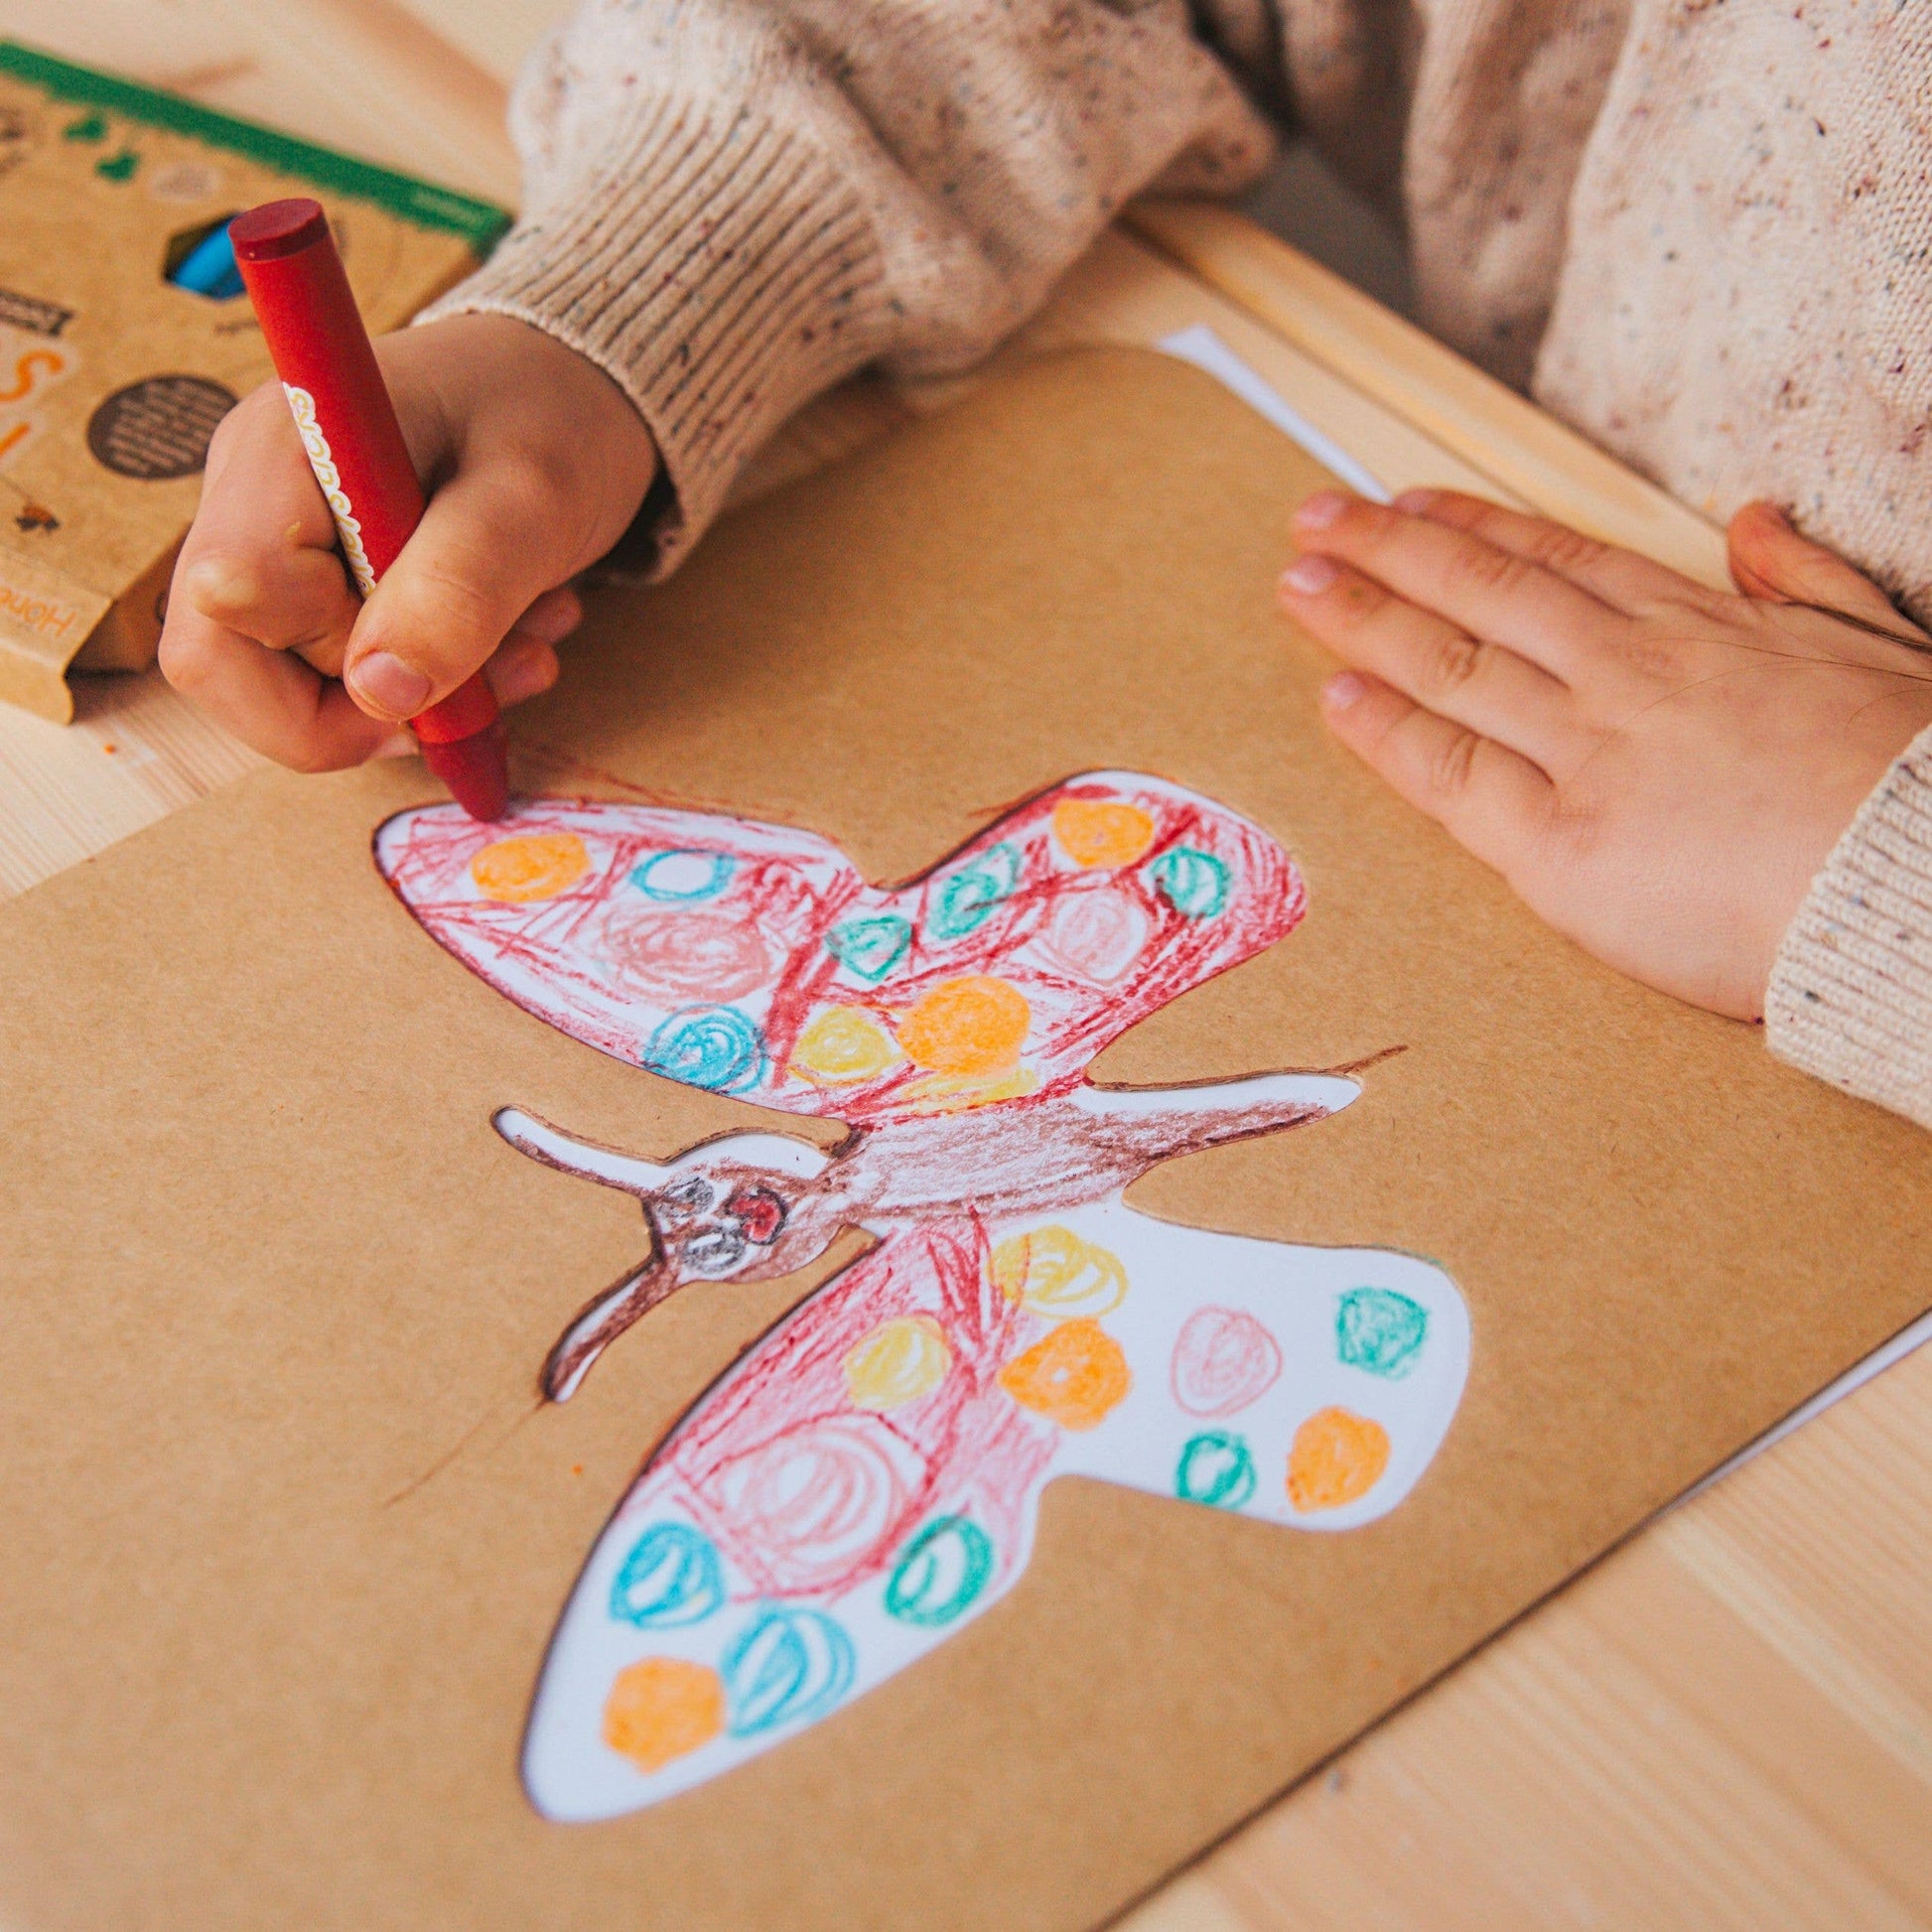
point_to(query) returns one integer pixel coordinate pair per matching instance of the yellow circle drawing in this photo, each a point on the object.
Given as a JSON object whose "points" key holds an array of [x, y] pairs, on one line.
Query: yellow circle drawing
{"points": [[956, 1093], [537, 865], [1053, 1272], [661, 1709], [1337, 1457], [841, 1046], [1101, 832], [966, 1026], [899, 1362]]}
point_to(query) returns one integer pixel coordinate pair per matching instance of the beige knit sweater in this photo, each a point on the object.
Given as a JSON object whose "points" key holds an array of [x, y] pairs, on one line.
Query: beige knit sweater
{"points": [[1699, 229]]}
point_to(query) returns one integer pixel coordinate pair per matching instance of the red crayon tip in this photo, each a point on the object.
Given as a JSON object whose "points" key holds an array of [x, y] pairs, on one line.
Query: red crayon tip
{"points": [[462, 743], [476, 769], [348, 425]]}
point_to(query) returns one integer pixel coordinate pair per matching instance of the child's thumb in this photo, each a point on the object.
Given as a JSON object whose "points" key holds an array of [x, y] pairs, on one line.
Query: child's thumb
{"points": [[1770, 559], [479, 558]]}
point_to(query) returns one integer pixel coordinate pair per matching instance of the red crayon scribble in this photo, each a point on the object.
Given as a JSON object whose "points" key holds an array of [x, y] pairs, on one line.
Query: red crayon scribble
{"points": [[807, 1496]]}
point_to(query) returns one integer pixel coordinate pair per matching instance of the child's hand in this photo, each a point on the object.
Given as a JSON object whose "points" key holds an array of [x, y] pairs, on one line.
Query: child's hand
{"points": [[537, 463], [1657, 768]]}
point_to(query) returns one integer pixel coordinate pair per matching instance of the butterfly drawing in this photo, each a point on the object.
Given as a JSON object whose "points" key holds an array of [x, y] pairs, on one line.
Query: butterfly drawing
{"points": [[865, 1479]]}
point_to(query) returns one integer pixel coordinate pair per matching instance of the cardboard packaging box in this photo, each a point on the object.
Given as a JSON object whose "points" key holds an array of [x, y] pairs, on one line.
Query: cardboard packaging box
{"points": [[125, 336]]}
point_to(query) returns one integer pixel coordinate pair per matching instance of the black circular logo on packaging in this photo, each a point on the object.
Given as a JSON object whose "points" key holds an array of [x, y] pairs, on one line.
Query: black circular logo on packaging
{"points": [[158, 428]]}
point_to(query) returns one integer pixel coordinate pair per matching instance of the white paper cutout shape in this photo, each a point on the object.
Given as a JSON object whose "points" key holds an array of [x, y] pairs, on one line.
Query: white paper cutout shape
{"points": [[866, 1479]]}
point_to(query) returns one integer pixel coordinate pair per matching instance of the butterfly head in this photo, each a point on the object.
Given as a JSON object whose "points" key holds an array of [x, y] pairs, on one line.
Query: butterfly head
{"points": [[712, 1226]]}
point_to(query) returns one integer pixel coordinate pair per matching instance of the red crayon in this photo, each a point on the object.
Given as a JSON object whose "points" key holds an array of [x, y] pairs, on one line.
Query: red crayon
{"points": [[348, 425]]}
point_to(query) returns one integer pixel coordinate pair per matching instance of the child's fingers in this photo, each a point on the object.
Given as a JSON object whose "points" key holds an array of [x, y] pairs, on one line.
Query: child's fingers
{"points": [[284, 596], [526, 667], [1484, 686], [553, 616], [261, 558], [1627, 582], [271, 700], [259, 476], [1490, 593], [278, 704], [1491, 800], [486, 552]]}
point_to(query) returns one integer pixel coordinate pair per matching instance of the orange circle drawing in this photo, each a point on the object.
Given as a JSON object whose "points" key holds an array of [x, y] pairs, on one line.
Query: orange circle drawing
{"points": [[1101, 832], [535, 865], [1337, 1457], [966, 1026], [1074, 1375], [663, 1708]]}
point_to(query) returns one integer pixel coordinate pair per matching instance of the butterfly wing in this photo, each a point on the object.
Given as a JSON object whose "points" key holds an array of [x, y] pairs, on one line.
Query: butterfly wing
{"points": [[656, 936], [1004, 970], [1308, 1387], [854, 1488], [755, 960], [867, 1480]]}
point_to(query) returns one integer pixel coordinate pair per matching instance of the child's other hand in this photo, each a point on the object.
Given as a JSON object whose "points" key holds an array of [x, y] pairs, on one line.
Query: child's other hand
{"points": [[1657, 768], [536, 463]]}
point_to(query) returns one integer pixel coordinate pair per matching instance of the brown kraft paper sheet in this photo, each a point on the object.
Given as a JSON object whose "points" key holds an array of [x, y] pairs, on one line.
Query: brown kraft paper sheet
{"points": [[290, 1530]]}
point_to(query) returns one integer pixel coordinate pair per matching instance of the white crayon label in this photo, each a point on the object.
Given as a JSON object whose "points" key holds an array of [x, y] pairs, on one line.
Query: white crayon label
{"points": [[303, 406]]}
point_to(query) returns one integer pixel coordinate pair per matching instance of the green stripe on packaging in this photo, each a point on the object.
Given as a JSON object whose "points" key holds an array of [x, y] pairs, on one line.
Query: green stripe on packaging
{"points": [[427, 206]]}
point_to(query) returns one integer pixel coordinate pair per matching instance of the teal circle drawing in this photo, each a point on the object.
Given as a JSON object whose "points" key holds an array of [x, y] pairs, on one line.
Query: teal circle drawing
{"points": [[964, 902], [786, 1667], [707, 1046], [683, 878], [1381, 1331], [671, 1577], [1192, 882], [870, 948], [1215, 1468], [943, 1568]]}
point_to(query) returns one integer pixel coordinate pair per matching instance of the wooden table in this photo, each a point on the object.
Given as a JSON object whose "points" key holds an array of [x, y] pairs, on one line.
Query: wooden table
{"points": [[1726, 1722]]}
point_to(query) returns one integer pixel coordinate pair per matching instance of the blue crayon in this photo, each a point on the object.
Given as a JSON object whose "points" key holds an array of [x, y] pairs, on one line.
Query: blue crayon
{"points": [[210, 267]]}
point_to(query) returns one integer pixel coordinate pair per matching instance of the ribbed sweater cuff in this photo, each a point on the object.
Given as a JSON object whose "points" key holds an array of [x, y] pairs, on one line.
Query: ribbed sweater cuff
{"points": [[1850, 993], [717, 269]]}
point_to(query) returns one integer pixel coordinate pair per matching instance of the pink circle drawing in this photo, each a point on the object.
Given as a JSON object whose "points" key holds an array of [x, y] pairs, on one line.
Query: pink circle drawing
{"points": [[695, 955], [1222, 1362]]}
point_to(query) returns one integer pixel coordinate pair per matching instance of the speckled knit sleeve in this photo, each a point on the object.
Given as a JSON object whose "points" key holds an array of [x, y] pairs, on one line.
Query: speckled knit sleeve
{"points": [[1850, 993], [731, 204]]}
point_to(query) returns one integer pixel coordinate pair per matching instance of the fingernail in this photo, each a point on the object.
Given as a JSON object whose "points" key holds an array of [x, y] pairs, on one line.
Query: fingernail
{"points": [[398, 745], [1413, 503], [386, 684], [1324, 507], [1307, 575], [523, 670], [1342, 690]]}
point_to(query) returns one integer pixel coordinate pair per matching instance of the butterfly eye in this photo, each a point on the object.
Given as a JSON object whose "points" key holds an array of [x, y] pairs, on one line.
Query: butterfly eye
{"points": [[759, 1213], [714, 1251], [693, 1194]]}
